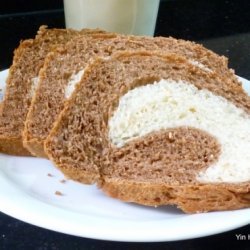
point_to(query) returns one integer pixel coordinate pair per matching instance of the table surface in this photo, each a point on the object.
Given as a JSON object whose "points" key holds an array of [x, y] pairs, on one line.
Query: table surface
{"points": [[223, 26]]}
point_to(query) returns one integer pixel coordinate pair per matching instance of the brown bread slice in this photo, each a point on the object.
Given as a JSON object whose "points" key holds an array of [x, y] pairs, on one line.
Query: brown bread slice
{"points": [[28, 60], [61, 64], [161, 167]]}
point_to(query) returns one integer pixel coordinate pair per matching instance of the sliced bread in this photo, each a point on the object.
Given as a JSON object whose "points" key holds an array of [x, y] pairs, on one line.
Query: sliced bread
{"points": [[64, 68], [21, 84], [154, 129]]}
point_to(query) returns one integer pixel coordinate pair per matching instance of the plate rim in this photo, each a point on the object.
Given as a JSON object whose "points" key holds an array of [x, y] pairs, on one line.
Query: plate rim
{"points": [[55, 220]]}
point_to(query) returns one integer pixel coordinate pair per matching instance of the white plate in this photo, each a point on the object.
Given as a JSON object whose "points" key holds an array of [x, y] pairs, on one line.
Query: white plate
{"points": [[28, 193]]}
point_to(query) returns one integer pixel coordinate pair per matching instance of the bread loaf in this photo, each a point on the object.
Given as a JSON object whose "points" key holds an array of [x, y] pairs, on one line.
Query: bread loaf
{"points": [[154, 129]]}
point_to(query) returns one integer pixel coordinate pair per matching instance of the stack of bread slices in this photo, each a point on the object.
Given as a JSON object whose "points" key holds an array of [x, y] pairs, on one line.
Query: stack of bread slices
{"points": [[155, 121]]}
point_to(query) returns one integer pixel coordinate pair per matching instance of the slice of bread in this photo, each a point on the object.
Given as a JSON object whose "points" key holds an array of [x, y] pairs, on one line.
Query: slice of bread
{"points": [[154, 129], [65, 66], [60, 66], [22, 81]]}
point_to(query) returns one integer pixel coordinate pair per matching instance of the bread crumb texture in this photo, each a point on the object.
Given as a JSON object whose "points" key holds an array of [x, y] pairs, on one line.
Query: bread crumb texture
{"points": [[170, 104], [74, 79], [58, 193]]}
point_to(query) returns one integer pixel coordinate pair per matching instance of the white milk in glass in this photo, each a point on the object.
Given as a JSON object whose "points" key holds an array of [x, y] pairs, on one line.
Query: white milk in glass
{"points": [[136, 17]]}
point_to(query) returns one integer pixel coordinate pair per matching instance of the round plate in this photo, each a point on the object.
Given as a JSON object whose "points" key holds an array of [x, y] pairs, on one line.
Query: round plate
{"points": [[33, 190]]}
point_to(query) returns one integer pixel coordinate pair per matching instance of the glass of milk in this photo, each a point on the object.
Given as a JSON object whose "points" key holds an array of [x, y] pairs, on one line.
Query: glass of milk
{"points": [[136, 17]]}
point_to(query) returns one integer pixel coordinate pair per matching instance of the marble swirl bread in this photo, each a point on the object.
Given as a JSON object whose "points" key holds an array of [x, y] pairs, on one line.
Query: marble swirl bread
{"points": [[154, 129], [64, 67]]}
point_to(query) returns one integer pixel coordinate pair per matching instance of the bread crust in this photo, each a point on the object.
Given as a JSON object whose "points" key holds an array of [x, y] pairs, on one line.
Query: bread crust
{"points": [[13, 146], [81, 175], [195, 198], [35, 147], [12, 143]]}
